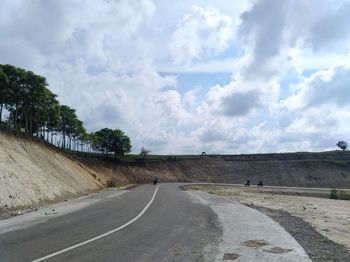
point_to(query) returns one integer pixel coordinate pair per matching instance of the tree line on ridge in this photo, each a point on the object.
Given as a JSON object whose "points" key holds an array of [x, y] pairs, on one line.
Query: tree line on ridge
{"points": [[27, 105]]}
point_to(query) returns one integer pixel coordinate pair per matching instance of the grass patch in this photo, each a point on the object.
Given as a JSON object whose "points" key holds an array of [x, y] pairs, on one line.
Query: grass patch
{"points": [[131, 158], [339, 194]]}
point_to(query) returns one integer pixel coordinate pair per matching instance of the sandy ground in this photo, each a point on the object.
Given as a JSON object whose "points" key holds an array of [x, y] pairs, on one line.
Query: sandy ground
{"points": [[329, 217]]}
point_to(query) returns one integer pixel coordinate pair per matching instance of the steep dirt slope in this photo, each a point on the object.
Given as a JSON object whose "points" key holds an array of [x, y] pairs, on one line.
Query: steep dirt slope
{"points": [[273, 169], [135, 172], [32, 172], [294, 169]]}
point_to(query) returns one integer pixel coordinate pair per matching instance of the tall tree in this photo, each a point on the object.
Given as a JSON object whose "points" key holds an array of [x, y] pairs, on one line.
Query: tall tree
{"points": [[120, 143], [112, 141], [33, 108], [67, 120], [4, 90], [102, 139], [342, 144], [144, 152], [16, 96]]}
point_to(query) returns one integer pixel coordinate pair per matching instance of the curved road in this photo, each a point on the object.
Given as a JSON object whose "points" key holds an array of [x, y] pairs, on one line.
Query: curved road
{"points": [[172, 229], [146, 223]]}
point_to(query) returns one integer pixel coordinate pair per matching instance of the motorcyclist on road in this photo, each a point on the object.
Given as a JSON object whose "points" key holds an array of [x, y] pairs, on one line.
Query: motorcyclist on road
{"points": [[155, 179]]}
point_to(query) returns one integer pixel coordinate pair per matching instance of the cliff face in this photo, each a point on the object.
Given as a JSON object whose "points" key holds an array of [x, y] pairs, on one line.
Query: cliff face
{"points": [[135, 172], [277, 170], [294, 169], [33, 173]]}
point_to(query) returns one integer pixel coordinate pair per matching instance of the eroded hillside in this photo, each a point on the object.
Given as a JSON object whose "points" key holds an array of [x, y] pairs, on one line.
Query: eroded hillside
{"points": [[293, 169], [32, 172]]}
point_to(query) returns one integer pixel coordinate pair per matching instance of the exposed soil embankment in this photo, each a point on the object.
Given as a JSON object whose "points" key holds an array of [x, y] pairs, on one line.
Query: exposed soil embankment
{"points": [[134, 172], [33, 172], [298, 170], [330, 169]]}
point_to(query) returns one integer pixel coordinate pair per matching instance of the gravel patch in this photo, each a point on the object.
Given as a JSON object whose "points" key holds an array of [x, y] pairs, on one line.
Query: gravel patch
{"points": [[318, 247]]}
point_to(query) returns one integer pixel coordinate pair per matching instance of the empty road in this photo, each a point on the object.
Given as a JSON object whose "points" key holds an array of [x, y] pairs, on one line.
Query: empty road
{"points": [[171, 229], [146, 223]]}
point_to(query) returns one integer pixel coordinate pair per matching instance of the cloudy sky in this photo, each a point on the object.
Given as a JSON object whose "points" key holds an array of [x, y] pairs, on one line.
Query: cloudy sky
{"points": [[188, 76]]}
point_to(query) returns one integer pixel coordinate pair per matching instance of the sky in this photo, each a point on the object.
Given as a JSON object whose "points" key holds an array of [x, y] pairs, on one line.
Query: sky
{"points": [[187, 76]]}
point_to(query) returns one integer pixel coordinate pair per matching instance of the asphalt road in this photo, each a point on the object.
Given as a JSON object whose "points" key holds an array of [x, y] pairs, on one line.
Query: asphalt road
{"points": [[173, 228]]}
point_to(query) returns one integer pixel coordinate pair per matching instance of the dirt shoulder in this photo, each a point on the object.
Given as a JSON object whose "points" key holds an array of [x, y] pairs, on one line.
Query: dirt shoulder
{"points": [[318, 247], [320, 225]]}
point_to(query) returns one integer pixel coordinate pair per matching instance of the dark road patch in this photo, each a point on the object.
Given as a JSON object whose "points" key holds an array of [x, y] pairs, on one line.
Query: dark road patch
{"points": [[230, 256], [256, 243], [277, 250]]}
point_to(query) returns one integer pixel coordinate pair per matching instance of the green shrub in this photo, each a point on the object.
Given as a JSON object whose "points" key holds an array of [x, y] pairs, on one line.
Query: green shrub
{"points": [[340, 163], [111, 183], [333, 194], [339, 194], [344, 195]]}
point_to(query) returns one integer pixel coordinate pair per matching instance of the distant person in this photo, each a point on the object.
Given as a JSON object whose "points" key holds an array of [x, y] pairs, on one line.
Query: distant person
{"points": [[247, 183], [260, 183], [155, 179]]}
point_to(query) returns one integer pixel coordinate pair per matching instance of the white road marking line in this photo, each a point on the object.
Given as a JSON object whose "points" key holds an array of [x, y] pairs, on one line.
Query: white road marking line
{"points": [[100, 236]]}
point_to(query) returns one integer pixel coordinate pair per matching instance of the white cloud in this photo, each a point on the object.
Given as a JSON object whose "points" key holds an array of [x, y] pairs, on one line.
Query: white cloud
{"points": [[270, 29], [330, 32], [330, 87], [314, 116], [201, 33], [173, 106], [104, 59], [57, 31], [304, 60], [271, 41]]}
